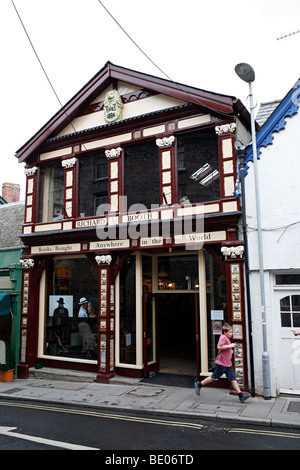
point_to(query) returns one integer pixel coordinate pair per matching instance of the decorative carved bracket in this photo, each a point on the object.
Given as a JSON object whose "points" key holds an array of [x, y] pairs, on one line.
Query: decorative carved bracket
{"points": [[232, 251], [103, 259], [27, 263]]}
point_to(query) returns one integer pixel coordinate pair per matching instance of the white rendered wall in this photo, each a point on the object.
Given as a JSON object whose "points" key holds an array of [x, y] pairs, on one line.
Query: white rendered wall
{"points": [[279, 186]]}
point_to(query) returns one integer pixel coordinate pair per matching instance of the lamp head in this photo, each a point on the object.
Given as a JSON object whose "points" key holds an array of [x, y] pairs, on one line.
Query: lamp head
{"points": [[245, 72]]}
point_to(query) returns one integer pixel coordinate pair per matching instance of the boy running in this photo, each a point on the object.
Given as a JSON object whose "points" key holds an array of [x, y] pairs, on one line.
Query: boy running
{"points": [[223, 364]]}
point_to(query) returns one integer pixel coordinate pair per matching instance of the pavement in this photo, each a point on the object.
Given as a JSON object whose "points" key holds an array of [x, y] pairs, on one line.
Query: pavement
{"points": [[65, 387]]}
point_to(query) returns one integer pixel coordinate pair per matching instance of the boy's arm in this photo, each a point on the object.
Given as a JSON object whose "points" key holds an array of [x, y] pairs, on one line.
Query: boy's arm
{"points": [[226, 346]]}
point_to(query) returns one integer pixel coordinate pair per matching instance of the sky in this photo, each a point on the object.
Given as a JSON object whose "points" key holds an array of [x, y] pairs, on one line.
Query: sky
{"points": [[194, 42]]}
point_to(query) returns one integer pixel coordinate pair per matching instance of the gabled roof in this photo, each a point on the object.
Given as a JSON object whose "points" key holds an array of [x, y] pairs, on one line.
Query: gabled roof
{"points": [[276, 122], [265, 111], [12, 219], [222, 104]]}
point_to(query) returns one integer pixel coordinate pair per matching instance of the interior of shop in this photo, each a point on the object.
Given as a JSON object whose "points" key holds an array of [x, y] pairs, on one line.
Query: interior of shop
{"points": [[177, 333]]}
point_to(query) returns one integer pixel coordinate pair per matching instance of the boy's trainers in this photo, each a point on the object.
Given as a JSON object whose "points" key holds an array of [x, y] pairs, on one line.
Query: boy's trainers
{"points": [[197, 388], [244, 398]]}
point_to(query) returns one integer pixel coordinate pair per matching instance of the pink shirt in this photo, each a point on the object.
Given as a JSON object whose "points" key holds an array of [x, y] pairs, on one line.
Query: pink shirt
{"points": [[224, 355]]}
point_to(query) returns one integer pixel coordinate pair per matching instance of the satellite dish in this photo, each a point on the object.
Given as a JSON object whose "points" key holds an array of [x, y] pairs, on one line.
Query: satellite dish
{"points": [[245, 72]]}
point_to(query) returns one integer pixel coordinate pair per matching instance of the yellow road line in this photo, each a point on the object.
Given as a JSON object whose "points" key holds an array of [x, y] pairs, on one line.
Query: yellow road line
{"points": [[98, 414], [266, 433], [138, 419]]}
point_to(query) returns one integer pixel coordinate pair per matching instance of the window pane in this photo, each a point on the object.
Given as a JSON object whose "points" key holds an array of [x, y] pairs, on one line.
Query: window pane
{"points": [[198, 167], [147, 273], [285, 304], [71, 324], [93, 183], [282, 279], [51, 193], [178, 273], [141, 168], [286, 319], [128, 312], [296, 320], [296, 303], [101, 166]]}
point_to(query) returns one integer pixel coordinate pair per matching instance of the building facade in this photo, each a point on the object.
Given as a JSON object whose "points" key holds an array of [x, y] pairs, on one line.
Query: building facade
{"points": [[278, 169], [133, 258], [11, 250]]}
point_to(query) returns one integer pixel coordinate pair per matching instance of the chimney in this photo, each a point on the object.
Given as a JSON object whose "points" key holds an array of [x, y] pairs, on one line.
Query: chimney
{"points": [[11, 192]]}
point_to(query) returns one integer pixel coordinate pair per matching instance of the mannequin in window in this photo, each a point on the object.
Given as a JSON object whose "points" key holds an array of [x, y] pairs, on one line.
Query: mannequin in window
{"points": [[87, 337], [92, 317], [83, 308], [60, 310]]}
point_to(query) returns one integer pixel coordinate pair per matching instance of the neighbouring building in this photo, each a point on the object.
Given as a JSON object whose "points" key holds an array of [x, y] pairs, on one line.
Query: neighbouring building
{"points": [[278, 143], [11, 250], [133, 256]]}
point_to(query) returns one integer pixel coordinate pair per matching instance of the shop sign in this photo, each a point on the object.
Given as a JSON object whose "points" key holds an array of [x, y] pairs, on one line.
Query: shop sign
{"points": [[91, 222], [48, 249], [140, 217], [153, 241], [109, 245], [200, 237]]}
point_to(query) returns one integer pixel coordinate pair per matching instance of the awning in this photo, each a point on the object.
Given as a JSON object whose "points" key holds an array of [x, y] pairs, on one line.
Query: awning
{"points": [[5, 304]]}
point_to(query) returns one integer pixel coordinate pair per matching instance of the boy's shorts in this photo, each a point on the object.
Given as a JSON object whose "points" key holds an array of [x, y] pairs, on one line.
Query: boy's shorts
{"points": [[220, 370]]}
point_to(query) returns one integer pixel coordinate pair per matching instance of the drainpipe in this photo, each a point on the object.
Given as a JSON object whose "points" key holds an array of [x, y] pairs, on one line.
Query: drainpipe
{"points": [[241, 153]]}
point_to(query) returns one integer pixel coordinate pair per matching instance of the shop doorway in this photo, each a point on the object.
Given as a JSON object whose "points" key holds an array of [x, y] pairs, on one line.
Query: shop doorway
{"points": [[5, 317], [175, 336]]}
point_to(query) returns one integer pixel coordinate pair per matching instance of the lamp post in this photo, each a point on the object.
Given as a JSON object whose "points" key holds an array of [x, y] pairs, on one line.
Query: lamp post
{"points": [[246, 73]]}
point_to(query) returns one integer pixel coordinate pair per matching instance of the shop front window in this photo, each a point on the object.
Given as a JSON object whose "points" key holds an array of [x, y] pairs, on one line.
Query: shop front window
{"points": [[216, 299], [128, 312], [198, 167], [51, 192], [71, 309], [93, 184]]}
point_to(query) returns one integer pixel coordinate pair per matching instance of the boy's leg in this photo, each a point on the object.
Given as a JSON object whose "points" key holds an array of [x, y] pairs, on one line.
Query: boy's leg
{"points": [[236, 387], [198, 385], [215, 376], [206, 381]]}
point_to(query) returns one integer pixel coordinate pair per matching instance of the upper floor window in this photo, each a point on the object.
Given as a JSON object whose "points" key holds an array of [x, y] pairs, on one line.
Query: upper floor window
{"points": [[51, 192], [141, 174], [198, 167], [93, 183]]}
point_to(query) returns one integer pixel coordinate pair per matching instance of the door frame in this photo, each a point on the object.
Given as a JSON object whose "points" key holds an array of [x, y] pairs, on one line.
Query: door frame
{"points": [[154, 366], [285, 334]]}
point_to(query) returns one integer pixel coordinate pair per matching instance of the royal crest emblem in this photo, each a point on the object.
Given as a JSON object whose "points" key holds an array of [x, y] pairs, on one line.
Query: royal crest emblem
{"points": [[113, 106]]}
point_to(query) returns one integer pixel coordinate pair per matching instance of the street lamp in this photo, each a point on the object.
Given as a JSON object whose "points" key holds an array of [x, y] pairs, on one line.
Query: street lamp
{"points": [[246, 73]]}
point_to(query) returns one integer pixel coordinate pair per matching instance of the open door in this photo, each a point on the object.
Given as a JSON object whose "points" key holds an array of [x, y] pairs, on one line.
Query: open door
{"points": [[150, 334], [167, 320], [197, 339]]}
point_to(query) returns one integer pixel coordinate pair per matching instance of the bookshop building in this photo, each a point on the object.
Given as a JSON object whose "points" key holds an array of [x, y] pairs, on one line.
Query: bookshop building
{"points": [[133, 258]]}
